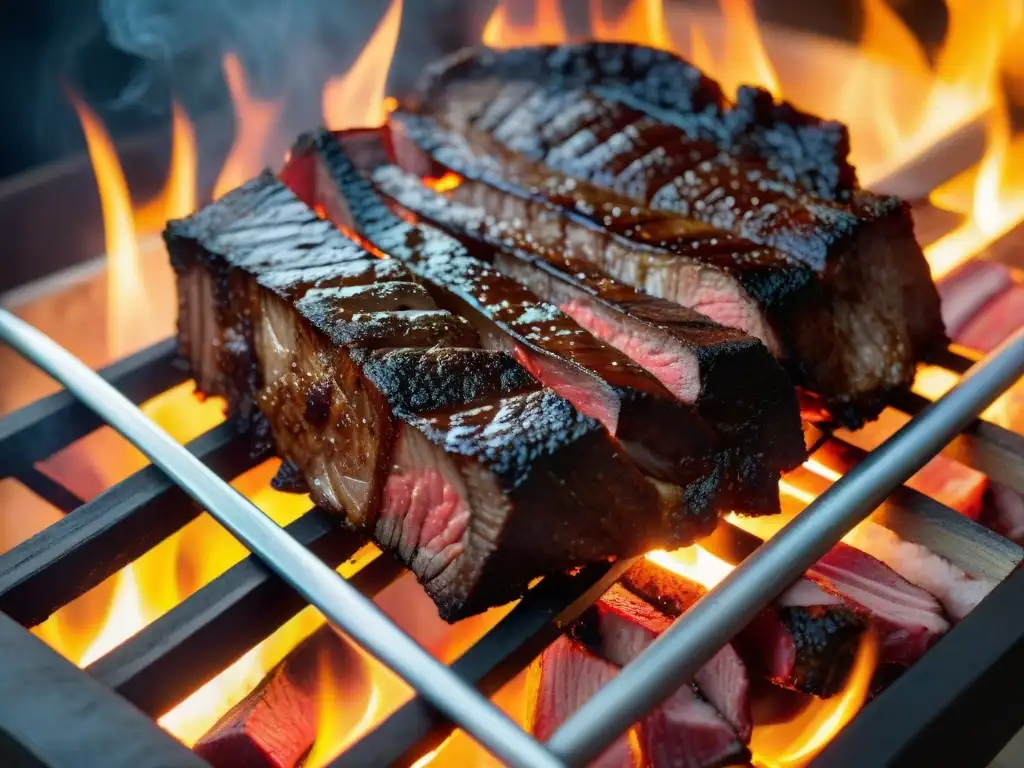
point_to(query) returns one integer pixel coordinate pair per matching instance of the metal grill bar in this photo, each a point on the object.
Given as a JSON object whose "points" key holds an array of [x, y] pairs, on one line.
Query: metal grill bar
{"points": [[64, 717], [341, 604], [79, 551], [49, 490], [50, 424], [183, 649], [712, 621], [493, 660]]}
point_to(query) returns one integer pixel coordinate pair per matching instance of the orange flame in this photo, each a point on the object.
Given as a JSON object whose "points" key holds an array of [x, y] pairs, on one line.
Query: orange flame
{"points": [[356, 99], [450, 180], [178, 197], [255, 122], [126, 296], [504, 29], [748, 62], [997, 204], [796, 741], [641, 22]]}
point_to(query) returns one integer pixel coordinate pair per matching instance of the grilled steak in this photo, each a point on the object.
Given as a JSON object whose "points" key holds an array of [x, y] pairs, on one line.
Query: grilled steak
{"points": [[480, 88], [452, 456], [620, 626], [666, 437], [699, 361], [683, 731], [850, 334], [806, 640]]}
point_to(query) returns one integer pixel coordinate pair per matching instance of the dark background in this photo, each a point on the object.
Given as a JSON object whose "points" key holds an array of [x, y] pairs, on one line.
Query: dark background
{"points": [[288, 46]]}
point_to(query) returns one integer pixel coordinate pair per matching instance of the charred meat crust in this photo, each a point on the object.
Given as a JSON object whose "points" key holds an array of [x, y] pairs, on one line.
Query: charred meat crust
{"points": [[799, 147], [537, 486], [851, 309], [669, 439], [756, 415]]}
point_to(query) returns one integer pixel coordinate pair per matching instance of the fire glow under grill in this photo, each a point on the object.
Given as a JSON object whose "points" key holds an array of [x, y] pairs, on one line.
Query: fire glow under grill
{"points": [[183, 649]]}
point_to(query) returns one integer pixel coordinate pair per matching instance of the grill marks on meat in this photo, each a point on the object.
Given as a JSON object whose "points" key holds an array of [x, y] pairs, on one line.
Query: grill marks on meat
{"points": [[806, 640], [666, 436], [700, 362], [481, 88], [683, 731], [452, 455], [877, 313]]}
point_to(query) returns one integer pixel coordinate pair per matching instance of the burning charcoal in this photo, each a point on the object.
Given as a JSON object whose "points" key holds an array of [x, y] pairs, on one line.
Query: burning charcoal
{"points": [[995, 321], [275, 725], [954, 484], [620, 626], [862, 278], [683, 731], [908, 619], [969, 288], [449, 454], [806, 640], [700, 363]]}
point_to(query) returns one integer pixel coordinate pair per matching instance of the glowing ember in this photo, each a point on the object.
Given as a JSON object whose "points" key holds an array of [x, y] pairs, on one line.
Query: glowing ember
{"points": [[695, 563], [448, 181], [796, 741], [506, 28], [255, 122], [356, 99]]}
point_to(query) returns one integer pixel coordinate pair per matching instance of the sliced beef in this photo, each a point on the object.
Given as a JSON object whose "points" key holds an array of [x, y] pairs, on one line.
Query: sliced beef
{"points": [[620, 626], [275, 726], [666, 436], [699, 361], [850, 328], [481, 89], [451, 455], [683, 731], [908, 619], [806, 640]]}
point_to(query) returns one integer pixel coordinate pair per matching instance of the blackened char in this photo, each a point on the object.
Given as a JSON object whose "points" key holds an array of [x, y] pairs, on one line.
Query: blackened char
{"points": [[699, 361], [666, 436], [450, 455], [684, 730], [482, 86], [805, 640], [850, 327]]}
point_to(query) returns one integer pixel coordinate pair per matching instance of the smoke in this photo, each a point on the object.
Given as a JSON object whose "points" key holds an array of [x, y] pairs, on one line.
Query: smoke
{"points": [[289, 49]]}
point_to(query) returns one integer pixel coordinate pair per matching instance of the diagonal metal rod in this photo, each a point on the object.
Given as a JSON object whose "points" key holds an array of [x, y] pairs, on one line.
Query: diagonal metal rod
{"points": [[715, 619], [338, 600]]}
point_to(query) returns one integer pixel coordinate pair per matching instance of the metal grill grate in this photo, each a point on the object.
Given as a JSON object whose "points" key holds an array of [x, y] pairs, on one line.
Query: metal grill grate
{"points": [[929, 710]]}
